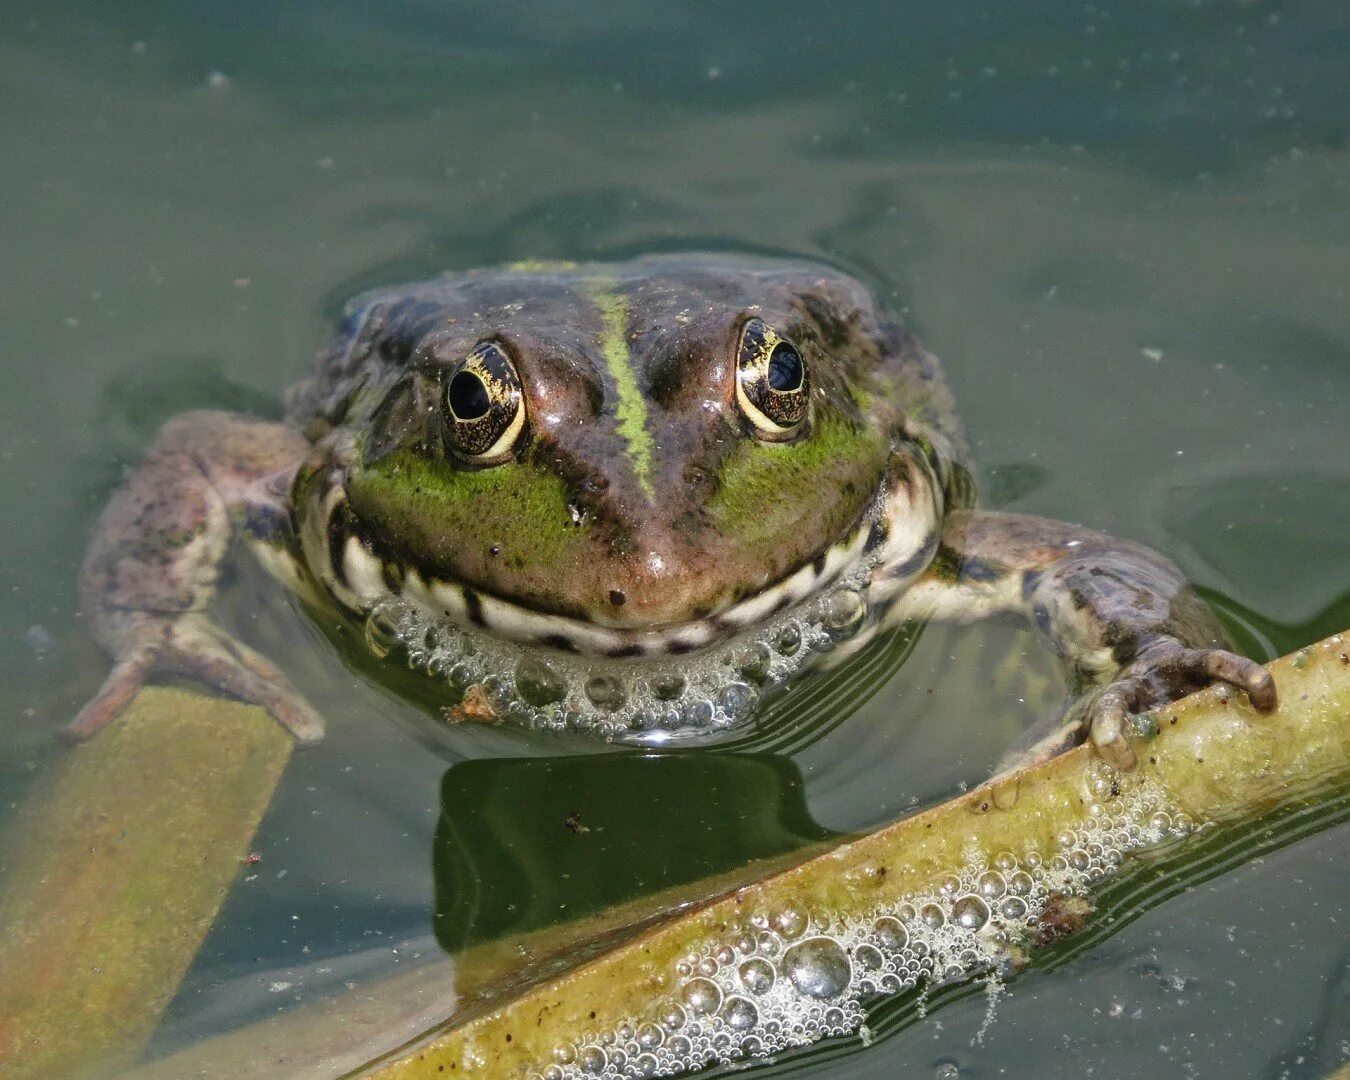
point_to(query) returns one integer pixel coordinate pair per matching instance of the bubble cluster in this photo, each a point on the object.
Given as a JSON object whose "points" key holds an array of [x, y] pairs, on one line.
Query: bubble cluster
{"points": [[644, 698], [785, 977]]}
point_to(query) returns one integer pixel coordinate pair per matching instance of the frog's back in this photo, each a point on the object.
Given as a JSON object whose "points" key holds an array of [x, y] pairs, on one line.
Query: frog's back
{"points": [[384, 330]]}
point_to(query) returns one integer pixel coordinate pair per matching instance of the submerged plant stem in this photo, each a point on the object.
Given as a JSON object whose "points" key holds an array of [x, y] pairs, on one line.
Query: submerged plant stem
{"points": [[114, 871]]}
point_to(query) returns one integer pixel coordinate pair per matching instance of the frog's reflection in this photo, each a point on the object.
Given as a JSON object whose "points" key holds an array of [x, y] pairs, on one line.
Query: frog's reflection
{"points": [[524, 843]]}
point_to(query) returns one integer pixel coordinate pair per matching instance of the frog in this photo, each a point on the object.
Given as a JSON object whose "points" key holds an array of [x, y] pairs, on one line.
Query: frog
{"points": [[625, 498]]}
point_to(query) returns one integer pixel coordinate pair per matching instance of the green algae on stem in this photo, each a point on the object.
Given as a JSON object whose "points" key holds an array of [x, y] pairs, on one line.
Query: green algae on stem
{"points": [[960, 889]]}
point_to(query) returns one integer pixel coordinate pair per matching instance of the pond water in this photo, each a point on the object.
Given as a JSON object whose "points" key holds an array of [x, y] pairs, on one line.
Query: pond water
{"points": [[1125, 229]]}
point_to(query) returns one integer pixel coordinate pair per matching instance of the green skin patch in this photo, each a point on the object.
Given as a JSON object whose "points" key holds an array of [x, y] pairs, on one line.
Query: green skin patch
{"points": [[768, 490], [440, 517], [631, 407]]}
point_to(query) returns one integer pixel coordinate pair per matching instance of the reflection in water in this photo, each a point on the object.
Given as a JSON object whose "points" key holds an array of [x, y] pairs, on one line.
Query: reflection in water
{"points": [[524, 843]]}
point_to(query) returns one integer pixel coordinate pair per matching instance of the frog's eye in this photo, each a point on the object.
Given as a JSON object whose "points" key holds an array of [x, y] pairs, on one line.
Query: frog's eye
{"points": [[772, 383], [484, 408]]}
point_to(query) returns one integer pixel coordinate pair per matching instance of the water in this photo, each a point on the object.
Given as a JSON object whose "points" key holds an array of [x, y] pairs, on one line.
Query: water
{"points": [[1126, 230]]}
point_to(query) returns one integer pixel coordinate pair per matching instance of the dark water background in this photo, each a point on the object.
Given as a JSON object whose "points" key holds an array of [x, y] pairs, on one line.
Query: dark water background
{"points": [[1125, 227]]}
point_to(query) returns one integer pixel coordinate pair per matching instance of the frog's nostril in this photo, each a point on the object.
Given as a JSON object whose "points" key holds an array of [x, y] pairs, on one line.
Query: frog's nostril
{"points": [[617, 597]]}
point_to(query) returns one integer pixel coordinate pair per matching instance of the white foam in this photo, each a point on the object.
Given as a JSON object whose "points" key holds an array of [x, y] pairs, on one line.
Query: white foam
{"points": [[787, 977]]}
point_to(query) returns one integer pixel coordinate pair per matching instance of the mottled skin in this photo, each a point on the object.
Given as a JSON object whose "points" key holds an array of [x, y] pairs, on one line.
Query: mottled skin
{"points": [[639, 507]]}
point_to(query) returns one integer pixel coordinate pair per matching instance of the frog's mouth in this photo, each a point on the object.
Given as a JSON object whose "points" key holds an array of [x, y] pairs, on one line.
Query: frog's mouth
{"points": [[896, 535], [469, 606], [548, 670]]}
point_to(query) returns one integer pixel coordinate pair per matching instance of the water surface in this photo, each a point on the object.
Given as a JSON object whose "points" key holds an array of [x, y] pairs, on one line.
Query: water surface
{"points": [[1125, 229]]}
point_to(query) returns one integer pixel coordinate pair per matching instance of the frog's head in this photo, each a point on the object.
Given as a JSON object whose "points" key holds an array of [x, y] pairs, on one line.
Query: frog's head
{"points": [[638, 458]]}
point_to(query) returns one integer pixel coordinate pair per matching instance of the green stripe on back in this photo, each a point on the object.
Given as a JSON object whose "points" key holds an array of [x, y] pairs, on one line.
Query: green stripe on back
{"points": [[631, 408]]}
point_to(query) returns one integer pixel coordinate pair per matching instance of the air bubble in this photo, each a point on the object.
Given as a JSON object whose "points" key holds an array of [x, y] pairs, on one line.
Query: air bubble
{"points": [[754, 662], [592, 1060], [970, 912], [381, 633], [932, 917], [1020, 883], [757, 975], [891, 934], [460, 676], [740, 1014], [868, 957], [842, 613], [736, 699], [789, 640], [672, 1016], [538, 682], [668, 686], [565, 1054], [789, 922], [991, 884], [701, 996], [707, 966], [498, 689], [649, 1036], [606, 692], [1013, 907], [818, 967]]}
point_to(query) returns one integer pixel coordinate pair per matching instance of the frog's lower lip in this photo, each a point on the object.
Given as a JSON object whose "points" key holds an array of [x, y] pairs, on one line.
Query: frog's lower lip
{"points": [[469, 606]]}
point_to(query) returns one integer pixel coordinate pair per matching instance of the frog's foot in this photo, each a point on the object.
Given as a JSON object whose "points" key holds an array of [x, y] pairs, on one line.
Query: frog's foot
{"points": [[190, 646], [1164, 671]]}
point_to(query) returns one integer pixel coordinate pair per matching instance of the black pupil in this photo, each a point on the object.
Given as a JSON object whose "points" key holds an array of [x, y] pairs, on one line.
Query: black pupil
{"points": [[785, 368], [468, 396]]}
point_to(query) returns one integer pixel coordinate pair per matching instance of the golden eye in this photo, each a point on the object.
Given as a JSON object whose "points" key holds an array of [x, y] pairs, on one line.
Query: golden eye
{"points": [[484, 407], [772, 383]]}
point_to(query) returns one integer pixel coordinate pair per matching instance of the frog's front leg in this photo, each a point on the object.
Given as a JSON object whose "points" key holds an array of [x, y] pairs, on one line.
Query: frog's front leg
{"points": [[1130, 631], [152, 566]]}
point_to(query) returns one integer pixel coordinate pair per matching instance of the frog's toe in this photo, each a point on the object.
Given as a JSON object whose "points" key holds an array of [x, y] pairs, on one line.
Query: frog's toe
{"points": [[122, 684], [1168, 672], [190, 646], [1242, 673], [200, 651], [1109, 721]]}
